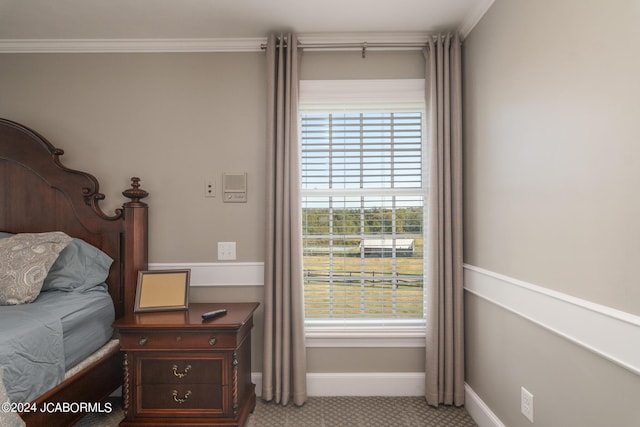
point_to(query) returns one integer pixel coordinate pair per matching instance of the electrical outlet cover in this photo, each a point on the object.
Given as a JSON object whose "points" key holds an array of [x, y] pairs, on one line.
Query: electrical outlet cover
{"points": [[526, 403]]}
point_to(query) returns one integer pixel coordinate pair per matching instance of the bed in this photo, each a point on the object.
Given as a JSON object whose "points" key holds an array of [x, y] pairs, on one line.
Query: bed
{"points": [[40, 196]]}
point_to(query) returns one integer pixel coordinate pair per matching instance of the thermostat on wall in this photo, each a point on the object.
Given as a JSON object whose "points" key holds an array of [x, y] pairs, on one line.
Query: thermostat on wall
{"points": [[234, 187]]}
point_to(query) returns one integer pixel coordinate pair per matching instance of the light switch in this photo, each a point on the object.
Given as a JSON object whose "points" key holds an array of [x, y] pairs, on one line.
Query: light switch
{"points": [[226, 251]]}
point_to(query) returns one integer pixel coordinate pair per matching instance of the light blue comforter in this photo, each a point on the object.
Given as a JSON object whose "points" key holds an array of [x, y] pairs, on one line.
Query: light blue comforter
{"points": [[41, 340], [31, 351]]}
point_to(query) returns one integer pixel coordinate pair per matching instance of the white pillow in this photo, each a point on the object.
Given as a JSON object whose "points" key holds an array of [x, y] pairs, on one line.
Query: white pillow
{"points": [[25, 260], [7, 418]]}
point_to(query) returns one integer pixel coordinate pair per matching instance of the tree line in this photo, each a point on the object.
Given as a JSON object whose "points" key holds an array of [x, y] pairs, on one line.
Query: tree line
{"points": [[349, 221]]}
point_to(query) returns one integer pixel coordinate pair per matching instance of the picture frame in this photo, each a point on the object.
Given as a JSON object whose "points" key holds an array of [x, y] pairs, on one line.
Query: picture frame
{"points": [[162, 290]]}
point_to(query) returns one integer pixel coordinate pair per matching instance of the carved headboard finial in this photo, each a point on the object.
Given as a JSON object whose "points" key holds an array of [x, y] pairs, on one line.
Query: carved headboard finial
{"points": [[135, 193]]}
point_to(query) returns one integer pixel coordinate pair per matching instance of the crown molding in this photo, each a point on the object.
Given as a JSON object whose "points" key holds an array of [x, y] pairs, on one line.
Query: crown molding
{"points": [[193, 45], [130, 45], [220, 44], [472, 19]]}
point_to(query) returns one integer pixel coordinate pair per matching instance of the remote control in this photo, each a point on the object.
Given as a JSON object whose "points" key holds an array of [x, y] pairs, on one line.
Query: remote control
{"points": [[214, 313]]}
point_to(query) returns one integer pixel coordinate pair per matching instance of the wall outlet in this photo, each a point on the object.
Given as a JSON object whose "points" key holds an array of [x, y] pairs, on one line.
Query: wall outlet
{"points": [[526, 403]]}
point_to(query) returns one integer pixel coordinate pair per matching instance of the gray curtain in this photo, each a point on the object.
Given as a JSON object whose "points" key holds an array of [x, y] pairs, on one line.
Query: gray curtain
{"points": [[284, 358], [444, 281]]}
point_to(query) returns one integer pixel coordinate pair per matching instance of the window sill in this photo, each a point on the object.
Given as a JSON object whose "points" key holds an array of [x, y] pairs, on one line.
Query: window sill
{"points": [[372, 336]]}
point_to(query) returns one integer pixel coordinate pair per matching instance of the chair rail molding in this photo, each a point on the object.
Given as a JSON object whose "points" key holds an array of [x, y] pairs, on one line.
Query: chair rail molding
{"points": [[219, 273], [610, 333]]}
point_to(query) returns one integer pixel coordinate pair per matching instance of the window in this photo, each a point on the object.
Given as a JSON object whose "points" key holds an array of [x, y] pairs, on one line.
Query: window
{"points": [[363, 198]]}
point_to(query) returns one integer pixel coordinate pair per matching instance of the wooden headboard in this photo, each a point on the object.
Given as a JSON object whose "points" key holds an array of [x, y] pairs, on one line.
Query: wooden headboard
{"points": [[37, 194]]}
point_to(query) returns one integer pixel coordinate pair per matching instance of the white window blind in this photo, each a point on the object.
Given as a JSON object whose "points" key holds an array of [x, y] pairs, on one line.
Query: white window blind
{"points": [[362, 205]]}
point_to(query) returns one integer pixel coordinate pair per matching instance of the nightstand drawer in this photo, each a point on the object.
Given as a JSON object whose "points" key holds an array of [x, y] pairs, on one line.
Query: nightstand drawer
{"points": [[177, 341], [183, 396], [182, 371]]}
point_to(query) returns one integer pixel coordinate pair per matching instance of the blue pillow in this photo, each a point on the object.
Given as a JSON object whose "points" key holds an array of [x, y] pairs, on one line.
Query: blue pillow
{"points": [[3, 234], [80, 266]]}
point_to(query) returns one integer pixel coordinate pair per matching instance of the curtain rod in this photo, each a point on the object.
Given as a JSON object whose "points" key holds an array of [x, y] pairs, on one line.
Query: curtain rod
{"points": [[362, 46]]}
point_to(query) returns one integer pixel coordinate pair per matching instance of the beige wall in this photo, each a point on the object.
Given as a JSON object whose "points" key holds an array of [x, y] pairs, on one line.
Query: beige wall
{"points": [[348, 65], [572, 386], [172, 119], [176, 120], [552, 165], [552, 153]]}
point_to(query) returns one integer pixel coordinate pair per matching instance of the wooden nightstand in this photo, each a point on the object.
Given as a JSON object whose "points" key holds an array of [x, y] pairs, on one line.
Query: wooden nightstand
{"points": [[181, 370]]}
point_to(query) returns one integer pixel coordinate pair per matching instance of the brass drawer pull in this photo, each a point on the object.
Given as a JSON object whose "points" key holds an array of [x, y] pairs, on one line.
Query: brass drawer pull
{"points": [[212, 341], [181, 400], [143, 341], [181, 374]]}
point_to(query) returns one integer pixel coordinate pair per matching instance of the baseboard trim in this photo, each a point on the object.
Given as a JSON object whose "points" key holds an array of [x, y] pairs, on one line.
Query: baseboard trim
{"points": [[366, 384], [478, 410], [358, 383], [610, 333], [219, 273]]}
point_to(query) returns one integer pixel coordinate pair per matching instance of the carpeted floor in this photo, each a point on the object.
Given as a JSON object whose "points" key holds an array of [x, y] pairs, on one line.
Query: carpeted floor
{"points": [[334, 412]]}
